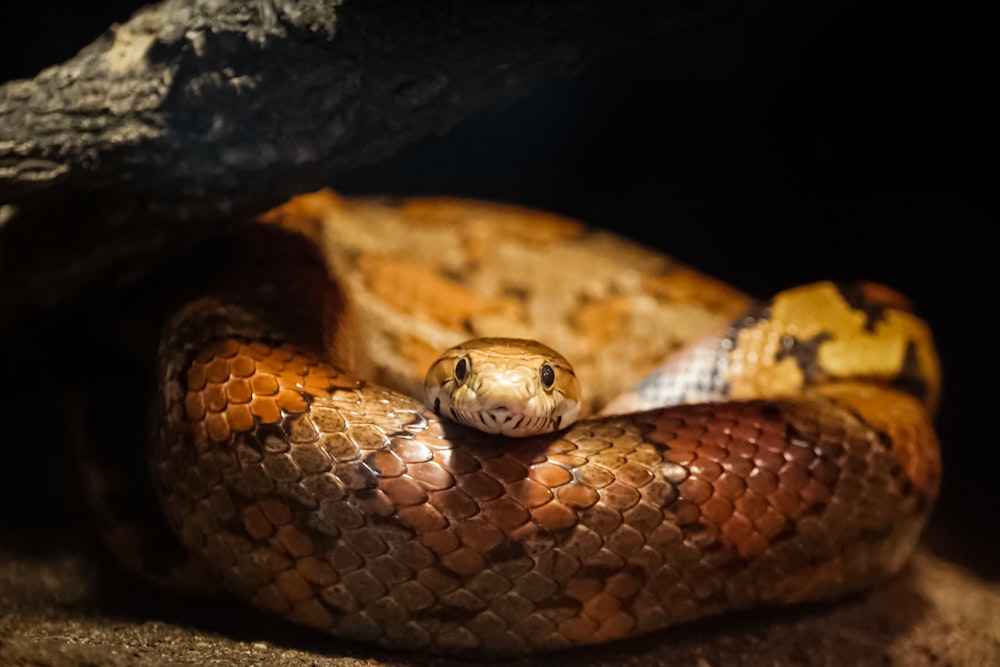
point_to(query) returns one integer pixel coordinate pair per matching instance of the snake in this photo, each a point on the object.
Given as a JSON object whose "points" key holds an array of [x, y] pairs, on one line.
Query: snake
{"points": [[510, 386], [731, 454]]}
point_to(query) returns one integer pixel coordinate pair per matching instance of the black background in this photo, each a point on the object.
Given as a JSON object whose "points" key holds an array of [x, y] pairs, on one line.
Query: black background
{"points": [[773, 144]]}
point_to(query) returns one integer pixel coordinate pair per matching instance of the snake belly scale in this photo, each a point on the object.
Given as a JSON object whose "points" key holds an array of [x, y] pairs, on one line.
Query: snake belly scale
{"points": [[795, 463]]}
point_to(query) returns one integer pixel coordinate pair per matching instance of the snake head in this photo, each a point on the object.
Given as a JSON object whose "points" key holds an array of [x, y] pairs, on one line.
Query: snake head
{"points": [[508, 386]]}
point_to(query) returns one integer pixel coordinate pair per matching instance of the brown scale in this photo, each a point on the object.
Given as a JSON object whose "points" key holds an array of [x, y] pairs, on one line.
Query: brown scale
{"points": [[352, 509]]}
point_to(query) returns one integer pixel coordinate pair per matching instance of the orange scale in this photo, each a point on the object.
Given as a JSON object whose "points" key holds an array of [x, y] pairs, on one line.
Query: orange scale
{"points": [[504, 513], [431, 475], [238, 390], [601, 606], [454, 504], [816, 493], [737, 529], [684, 442], [716, 509], [265, 408], [680, 455], [290, 380], [505, 469], [686, 513], [457, 461], [205, 354], [240, 418], [387, 464], [785, 501], [257, 351], [825, 471], [297, 366], [529, 493], [404, 491], [578, 630], [550, 475], [256, 524], [464, 561], [440, 541], [578, 496], [713, 452], [772, 426], [284, 354], [769, 461], [479, 485], [561, 447], [196, 379], [794, 477], [616, 626], [567, 460], [217, 427], [479, 534], [264, 384], [422, 517], [771, 442], [744, 449], [242, 366], [317, 383], [770, 524], [227, 348], [752, 505], [706, 469], [215, 398], [292, 401], [194, 406], [797, 453], [744, 431], [730, 486], [762, 481], [554, 516], [217, 370], [754, 545], [695, 490]]}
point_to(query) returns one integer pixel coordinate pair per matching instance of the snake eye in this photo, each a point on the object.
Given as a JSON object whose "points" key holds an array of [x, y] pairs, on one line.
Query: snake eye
{"points": [[547, 375], [462, 369]]}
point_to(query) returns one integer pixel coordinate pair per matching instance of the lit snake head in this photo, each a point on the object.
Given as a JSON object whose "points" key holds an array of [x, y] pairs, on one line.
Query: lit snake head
{"points": [[510, 386]]}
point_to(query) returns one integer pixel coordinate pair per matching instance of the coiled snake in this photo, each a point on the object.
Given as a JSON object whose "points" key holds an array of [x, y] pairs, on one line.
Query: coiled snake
{"points": [[788, 456]]}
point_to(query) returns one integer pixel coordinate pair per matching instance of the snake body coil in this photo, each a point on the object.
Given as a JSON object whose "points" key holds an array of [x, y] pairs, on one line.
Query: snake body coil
{"points": [[795, 463]]}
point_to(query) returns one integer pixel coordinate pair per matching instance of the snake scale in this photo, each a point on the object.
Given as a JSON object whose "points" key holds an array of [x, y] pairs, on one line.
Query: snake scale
{"points": [[775, 452]]}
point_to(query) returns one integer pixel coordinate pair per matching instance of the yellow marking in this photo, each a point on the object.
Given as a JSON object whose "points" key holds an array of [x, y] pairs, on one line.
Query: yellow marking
{"points": [[850, 351]]}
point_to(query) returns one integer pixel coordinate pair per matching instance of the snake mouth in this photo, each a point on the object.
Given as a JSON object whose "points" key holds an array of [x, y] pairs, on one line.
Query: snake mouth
{"points": [[500, 419]]}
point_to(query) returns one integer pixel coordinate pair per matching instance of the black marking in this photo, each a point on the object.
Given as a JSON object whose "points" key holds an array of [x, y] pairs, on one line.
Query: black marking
{"points": [[516, 292], [520, 420], [507, 550], [770, 412], [805, 353], [454, 415], [755, 313], [368, 478], [854, 295], [557, 422], [482, 418], [794, 436], [369, 461], [910, 379], [437, 405]]}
